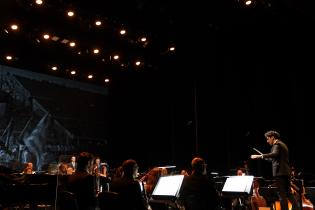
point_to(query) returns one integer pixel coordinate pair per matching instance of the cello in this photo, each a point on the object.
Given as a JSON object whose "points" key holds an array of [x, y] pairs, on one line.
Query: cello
{"points": [[299, 192], [306, 203]]}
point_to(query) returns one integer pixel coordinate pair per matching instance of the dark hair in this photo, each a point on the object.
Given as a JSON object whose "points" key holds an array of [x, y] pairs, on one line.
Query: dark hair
{"points": [[197, 165], [271, 133], [128, 167]]}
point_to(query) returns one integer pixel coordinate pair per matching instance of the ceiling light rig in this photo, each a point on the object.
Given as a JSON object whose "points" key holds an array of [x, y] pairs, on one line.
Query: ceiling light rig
{"points": [[62, 33]]}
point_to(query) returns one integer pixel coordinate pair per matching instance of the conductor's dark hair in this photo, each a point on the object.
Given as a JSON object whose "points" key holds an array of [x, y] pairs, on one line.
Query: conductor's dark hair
{"points": [[271, 133]]}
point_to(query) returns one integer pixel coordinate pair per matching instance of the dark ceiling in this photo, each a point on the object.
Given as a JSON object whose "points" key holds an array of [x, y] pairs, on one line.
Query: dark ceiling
{"points": [[188, 26], [30, 51]]}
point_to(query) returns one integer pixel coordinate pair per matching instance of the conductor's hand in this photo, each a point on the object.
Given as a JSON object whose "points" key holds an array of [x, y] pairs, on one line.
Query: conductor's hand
{"points": [[256, 156]]}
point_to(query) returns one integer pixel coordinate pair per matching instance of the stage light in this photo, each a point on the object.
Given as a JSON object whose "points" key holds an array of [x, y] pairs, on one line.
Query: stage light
{"points": [[14, 27], [39, 2], [172, 48], [64, 41], [55, 38], [46, 36], [248, 2], [70, 13], [9, 57], [98, 23], [72, 44], [96, 51]]}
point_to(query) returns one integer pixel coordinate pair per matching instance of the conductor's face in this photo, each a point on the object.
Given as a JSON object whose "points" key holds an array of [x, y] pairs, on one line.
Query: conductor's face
{"points": [[270, 140]]}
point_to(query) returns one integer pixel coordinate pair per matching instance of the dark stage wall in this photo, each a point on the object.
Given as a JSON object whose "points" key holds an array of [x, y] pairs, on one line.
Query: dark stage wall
{"points": [[167, 120]]}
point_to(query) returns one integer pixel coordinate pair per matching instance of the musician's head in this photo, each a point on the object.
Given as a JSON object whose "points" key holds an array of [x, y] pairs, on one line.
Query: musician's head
{"points": [[28, 169], [84, 161], [240, 171], [198, 166], [97, 160], [130, 168]]}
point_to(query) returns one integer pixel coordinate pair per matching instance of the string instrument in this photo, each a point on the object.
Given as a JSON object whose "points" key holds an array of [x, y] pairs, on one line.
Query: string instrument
{"points": [[278, 207], [306, 203], [299, 193], [256, 199]]}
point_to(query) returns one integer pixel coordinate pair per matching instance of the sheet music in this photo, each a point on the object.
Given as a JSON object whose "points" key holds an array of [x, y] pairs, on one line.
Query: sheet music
{"points": [[238, 184]]}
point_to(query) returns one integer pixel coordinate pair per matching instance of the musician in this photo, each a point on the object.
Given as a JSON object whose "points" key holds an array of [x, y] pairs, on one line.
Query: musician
{"points": [[242, 202], [28, 169], [151, 178], [198, 191], [99, 170], [128, 188], [81, 183], [279, 156], [63, 169], [298, 190], [73, 163]]}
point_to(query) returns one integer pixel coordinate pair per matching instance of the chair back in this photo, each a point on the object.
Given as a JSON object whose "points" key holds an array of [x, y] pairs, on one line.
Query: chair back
{"points": [[67, 201], [109, 201]]}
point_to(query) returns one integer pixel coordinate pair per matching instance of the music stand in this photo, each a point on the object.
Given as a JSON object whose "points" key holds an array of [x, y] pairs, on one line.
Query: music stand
{"points": [[238, 185], [166, 192]]}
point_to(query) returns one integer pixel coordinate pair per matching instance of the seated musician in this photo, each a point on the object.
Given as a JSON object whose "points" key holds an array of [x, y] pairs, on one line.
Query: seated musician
{"points": [[198, 191], [152, 178], [63, 169], [298, 190], [241, 202], [28, 169], [81, 183], [128, 188], [99, 170]]}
